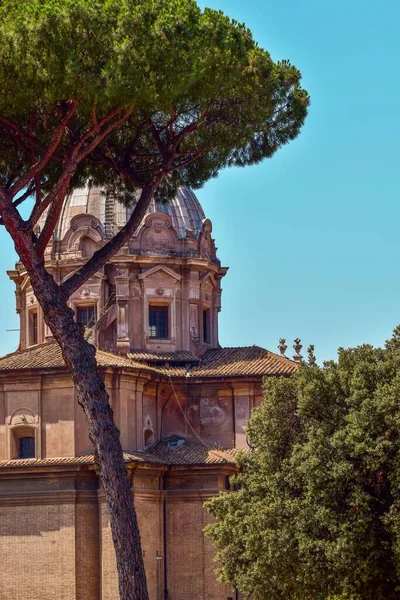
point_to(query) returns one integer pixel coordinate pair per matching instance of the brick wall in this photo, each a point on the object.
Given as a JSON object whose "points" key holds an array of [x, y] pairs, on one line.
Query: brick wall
{"points": [[56, 543], [87, 548], [37, 549], [109, 579], [191, 568]]}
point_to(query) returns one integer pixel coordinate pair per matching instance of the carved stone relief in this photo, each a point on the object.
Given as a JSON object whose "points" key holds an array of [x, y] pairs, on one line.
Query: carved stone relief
{"points": [[22, 416], [159, 291], [158, 236]]}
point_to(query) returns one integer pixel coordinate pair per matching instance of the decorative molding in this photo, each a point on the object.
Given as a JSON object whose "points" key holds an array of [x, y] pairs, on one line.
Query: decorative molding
{"points": [[161, 292], [158, 268], [23, 416]]}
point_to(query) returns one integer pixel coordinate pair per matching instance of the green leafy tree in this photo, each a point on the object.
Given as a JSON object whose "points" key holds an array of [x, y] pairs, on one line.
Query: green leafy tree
{"points": [[139, 96], [317, 514]]}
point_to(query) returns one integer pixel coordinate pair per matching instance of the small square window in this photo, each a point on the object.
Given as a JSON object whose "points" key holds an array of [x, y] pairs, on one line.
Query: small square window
{"points": [[158, 322]]}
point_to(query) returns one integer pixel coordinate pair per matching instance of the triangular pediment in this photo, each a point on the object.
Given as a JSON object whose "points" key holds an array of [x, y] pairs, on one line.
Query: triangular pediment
{"points": [[160, 270]]}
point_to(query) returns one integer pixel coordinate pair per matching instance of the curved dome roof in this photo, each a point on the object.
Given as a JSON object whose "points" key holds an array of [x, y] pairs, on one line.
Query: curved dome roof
{"points": [[185, 211]]}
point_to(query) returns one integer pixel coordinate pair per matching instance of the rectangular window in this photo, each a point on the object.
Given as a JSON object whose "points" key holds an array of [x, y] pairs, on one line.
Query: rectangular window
{"points": [[158, 322], [86, 315], [27, 447], [33, 328], [206, 326]]}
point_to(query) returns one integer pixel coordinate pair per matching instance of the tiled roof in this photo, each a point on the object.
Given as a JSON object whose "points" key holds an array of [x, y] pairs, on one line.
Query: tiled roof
{"points": [[156, 357], [49, 462], [174, 450], [87, 459], [235, 362], [49, 355], [189, 453], [219, 362], [247, 360]]}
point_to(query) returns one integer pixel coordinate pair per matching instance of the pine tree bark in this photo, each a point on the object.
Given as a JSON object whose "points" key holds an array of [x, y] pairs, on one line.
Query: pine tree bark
{"points": [[79, 357]]}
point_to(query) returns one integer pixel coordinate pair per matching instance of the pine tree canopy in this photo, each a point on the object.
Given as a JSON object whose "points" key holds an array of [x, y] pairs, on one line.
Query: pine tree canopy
{"points": [[317, 513], [148, 88]]}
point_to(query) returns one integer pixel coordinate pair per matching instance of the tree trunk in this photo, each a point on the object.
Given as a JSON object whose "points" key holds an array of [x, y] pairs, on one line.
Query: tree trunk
{"points": [[80, 359]]}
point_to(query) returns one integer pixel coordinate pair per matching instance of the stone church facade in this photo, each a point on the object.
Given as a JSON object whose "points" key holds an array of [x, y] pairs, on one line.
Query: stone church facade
{"points": [[180, 402]]}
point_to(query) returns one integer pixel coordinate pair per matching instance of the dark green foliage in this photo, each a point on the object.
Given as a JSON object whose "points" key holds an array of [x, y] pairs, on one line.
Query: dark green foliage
{"points": [[317, 515], [203, 95]]}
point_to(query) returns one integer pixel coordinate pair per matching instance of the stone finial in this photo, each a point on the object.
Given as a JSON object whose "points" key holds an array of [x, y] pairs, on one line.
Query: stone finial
{"points": [[297, 346], [282, 346]]}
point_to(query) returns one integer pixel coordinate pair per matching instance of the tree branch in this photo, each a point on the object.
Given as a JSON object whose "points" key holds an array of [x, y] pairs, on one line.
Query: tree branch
{"points": [[100, 257], [188, 161], [12, 220], [126, 172], [23, 196], [39, 166], [56, 198], [97, 127], [156, 136], [17, 132]]}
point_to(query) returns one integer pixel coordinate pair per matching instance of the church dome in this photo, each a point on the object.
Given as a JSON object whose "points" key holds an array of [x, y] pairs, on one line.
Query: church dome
{"points": [[184, 209], [161, 292]]}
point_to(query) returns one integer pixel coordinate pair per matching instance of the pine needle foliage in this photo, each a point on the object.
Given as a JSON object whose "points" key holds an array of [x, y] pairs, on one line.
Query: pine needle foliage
{"points": [[192, 90]]}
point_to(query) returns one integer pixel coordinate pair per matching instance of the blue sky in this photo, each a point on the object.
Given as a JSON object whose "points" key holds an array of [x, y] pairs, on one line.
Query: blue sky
{"points": [[311, 236]]}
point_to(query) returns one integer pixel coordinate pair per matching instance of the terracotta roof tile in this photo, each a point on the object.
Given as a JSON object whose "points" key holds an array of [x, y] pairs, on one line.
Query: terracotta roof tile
{"points": [[171, 357], [247, 360], [49, 355], [175, 450], [189, 453], [48, 462], [234, 362], [219, 362]]}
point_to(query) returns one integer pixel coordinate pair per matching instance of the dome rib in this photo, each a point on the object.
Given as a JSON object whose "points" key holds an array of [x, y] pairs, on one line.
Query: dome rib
{"points": [[184, 209]]}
